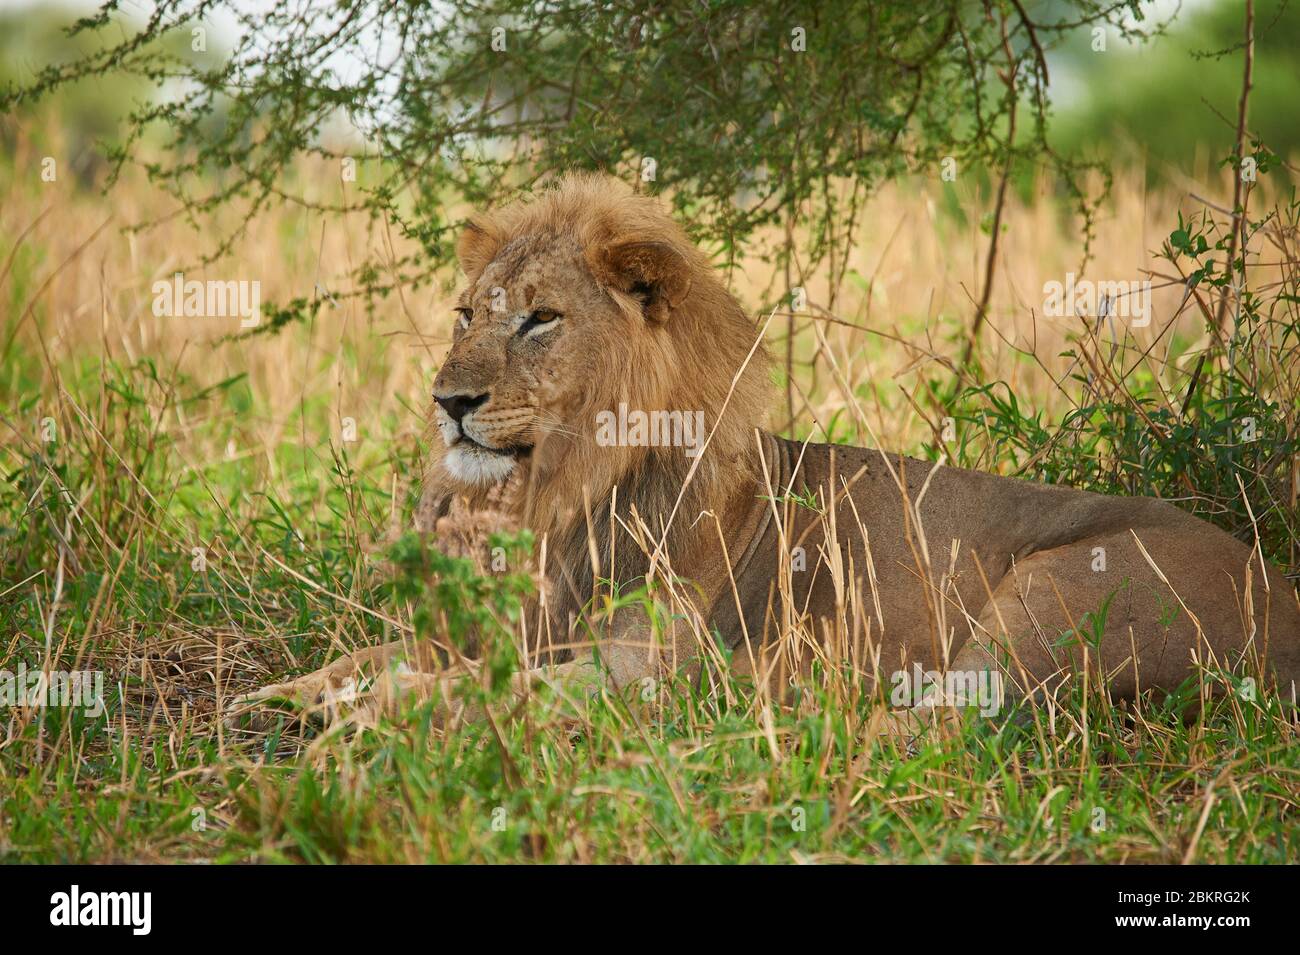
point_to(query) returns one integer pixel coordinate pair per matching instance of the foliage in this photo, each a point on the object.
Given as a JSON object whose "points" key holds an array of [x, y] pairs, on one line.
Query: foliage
{"points": [[746, 113]]}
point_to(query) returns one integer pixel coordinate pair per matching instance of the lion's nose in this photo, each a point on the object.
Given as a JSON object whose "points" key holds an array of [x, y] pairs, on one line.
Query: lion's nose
{"points": [[457, 406]]}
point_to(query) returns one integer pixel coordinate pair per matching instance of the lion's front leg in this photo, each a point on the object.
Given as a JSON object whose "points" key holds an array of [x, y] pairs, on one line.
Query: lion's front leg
{"points": [[380, 682], [340, 685], [399, 688], [383, 681]]}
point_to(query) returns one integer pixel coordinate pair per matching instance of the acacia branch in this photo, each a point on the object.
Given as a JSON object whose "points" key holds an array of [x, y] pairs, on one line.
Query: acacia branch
{"points": [[1238, 212]]}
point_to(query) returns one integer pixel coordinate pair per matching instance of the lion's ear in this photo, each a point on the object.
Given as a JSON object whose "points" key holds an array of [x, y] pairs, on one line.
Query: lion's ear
{"points": [[656, 273], [476, 247]]}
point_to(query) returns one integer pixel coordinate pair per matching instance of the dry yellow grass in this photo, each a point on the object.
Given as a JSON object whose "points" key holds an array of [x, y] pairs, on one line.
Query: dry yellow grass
{"points": [[924, 271], [716, 784]]}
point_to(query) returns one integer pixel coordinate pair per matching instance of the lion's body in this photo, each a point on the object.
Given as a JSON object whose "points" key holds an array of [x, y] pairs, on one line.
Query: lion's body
{"points": [[1006, 560], [589, 299]]}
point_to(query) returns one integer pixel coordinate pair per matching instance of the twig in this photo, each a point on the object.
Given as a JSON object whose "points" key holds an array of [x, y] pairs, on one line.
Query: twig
{"points": [[1238, 213], [990, 262]]}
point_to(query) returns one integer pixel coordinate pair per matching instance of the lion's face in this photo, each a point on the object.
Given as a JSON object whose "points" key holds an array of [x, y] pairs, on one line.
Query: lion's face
{"points": [[585, 299], [529, 332]]}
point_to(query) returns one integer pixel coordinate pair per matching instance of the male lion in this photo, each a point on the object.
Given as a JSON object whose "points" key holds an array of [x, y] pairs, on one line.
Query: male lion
{"points": [[589, 305]]}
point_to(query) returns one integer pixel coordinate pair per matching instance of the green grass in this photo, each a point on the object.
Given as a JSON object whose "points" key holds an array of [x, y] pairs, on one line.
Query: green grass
{"points": [[151, 457], [697, 780]]}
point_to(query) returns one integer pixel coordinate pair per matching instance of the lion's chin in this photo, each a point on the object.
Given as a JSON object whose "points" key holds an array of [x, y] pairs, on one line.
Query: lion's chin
{"points": [[472, 464]]}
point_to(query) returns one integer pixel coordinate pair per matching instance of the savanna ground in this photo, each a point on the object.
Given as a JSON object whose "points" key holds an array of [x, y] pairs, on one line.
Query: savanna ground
{"points": [[195, 512]]}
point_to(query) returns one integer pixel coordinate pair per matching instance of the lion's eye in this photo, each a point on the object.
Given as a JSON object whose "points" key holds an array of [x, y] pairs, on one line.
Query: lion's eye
{"points": [[537, 319], [466, 315]]}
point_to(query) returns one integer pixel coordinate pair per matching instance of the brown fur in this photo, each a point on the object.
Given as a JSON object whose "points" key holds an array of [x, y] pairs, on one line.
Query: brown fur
{"points": [[927, 564], [593, 241]]}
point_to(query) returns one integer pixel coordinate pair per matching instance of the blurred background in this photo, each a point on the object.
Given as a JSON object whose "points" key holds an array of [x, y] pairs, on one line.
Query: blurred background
{"points": [[1166, 105], [197, 508], [356, 277]]}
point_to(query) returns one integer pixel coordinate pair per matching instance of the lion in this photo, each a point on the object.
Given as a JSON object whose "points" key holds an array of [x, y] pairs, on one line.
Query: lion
{"points": [[590, 335]]}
